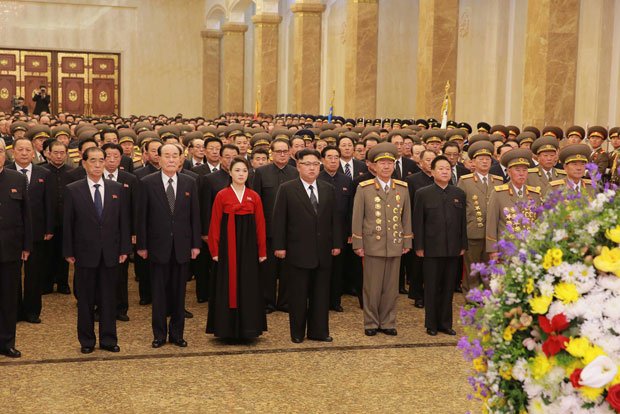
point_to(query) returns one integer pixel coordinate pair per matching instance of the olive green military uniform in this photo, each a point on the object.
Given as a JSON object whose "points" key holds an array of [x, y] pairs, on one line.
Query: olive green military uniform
{"points": [[584, 186], [570, 154], [537, 177]]}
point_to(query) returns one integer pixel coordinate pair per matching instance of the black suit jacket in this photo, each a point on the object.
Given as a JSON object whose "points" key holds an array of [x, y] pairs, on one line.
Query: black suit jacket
{"points": [[344, 199], [409, 168], [497, 170], [41, 201], [88, 238], [267, 181], [460, 171], [208, 187], [76, 174], [144, 171], [439, 222], [189, 173], [15, 223], [307, 237], [126, 164], [415, 182], [359, 168], [204, 169], [58, 180], [131, 187], [356, 181], [158, 229]]}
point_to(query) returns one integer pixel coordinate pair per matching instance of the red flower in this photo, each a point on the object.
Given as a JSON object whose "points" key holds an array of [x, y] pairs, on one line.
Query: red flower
{"points": [[574, 378], [613, 397], [554, 343]]}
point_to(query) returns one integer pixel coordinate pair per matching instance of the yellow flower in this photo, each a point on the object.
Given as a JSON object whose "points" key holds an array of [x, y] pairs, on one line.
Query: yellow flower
{"points": [[546, 263], [566, 292], [613, 234], [540, 366], [592, 352], [577, 347], [540, 304], [608, 261], [480, 365], [529, 286], [616, 379], [508, 333], [506, 372], [591, 393], [557, 262], [556, 254]]}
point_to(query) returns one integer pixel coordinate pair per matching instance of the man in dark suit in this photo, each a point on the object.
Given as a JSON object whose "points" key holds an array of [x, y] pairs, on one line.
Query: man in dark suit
{"points": [[349, 166], [58, 269], [267, 181], [42, 215], [413, 263], [212, 149], [96, 239], [129, 182], [452, 152], [141, 266], [440, 228], [79, 172], [169, 236], [306, 233], [403, 167], [499, 169], [15, 246]]}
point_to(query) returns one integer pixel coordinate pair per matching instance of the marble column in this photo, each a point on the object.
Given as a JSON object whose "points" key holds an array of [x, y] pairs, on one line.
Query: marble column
{"points": [[233, 46], [550, 62], [437, 56], [266, 61], [360, 86], [306, 48], [211, 72]]}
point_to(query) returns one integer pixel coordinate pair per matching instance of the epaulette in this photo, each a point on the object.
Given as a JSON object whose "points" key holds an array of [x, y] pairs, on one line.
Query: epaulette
{"points": [[463, 177], [496, 177], [503, 187], [555, 183], [399, 182], [560, 171], [532, 170], [533, 189], [587, 180], [9, 147], [366, 183]]}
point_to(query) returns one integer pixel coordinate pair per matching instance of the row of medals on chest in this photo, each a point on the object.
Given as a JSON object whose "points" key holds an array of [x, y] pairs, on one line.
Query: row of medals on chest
{"points": [[396, 233]]}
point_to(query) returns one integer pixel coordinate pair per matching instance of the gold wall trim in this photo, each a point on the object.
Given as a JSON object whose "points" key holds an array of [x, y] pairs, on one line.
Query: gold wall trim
{"points": [[234, 28], [308, 8], [211, 34], [267, 18]]}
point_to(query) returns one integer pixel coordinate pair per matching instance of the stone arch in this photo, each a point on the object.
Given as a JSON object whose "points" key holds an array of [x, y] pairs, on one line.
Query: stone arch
{"points": [[237, 9], [216, 16]]}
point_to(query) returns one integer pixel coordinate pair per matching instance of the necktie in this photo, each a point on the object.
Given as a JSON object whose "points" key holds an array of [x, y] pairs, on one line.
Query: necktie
{"points": [[25, 172], [386, 188], [170, 195], [398, 172], [98, 201], [313, 200], [214, 169], [577, 188], [198, 164], [347, 170], [484, 183], [549, 176], [110, 176], [520, 193], [454, 175]]}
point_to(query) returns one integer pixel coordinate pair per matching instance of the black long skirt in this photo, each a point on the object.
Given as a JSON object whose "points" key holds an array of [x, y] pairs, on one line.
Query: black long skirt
{"points": [[248, 320]]}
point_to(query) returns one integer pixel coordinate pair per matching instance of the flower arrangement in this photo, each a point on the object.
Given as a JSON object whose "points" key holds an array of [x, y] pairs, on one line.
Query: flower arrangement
{"points": [[545, 336]]}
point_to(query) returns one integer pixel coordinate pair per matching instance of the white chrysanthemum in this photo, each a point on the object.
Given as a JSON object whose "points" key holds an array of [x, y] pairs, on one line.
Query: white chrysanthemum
{"points": [[610, 283], [592, 227], [559, 235], [519, 369], [612, 308]]}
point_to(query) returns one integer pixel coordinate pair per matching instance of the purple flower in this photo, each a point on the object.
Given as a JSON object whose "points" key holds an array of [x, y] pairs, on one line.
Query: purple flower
{"points": [[594, 173]]}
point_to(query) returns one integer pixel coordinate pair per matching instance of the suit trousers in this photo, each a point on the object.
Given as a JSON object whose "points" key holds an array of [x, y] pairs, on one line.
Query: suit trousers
{"points": [[141, 267], [475, 253], [416, 290], [122, 289], [59, 268], [405, 271], [273, 279], [439, 284], [34, 271], [336, 280], [308, 301], [168, 281], [380, 291], [9, 285], [96, 286], [202, 267]]}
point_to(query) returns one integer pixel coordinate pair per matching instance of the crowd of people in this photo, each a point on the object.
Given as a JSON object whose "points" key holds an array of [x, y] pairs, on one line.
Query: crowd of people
{"points": [[266, 213]]}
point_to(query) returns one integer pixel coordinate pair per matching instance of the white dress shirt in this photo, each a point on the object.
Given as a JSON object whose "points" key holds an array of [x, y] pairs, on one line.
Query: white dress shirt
{"points": [[106, 175], [28, 172], [382, 184], [314, 189], [165, 178], [343, 163], [91, 187]]}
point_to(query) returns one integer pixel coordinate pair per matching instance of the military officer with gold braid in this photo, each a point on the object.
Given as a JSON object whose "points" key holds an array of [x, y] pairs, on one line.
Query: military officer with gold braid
{"points": [[575, 157], [546, 149]]}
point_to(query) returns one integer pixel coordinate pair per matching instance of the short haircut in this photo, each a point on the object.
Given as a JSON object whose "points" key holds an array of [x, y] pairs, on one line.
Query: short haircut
{"points": [[365, 140], [111, 145], [307, 151], [148, 143], [329, 148], [56, 143], [170, 144], [239, 159], [390, 137], [213, 139], [84, 141], [90, 151], [260, 151], [345, 137], [423, 153], [498, 150], [295, 137], [16, 140], [451, 144], [275, 141], [437, 159], [230, 147], [109, 130]]}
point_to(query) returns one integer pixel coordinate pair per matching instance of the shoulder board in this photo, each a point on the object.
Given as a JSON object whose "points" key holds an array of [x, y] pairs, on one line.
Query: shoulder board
{"points": [[72, 150], [587, 180], [562, 172], [532, 170], [533, 189], [463, 177], [503, 187], [9, 147], [496, 177], [399, 182], [367, 182], [555, 183]]}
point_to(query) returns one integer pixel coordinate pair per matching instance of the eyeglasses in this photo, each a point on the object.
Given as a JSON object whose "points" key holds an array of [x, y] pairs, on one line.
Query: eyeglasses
{"points": [[281, 152], [309, 164]]}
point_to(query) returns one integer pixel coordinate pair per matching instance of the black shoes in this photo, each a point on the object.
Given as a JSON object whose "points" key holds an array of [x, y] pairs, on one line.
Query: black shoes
{"points": [[181, 343], [337, 308], [87, 349], [296, 340], [158, 343], [448, 331], [33, 319], [11, 353], [201, 300], [389, 331], [122, 318], [403, 291], [370, 332], [110, 348], [269, 310], [188, 314], [326, 339], [64, 290], [431, 332], [145, 302], [419, 303]]}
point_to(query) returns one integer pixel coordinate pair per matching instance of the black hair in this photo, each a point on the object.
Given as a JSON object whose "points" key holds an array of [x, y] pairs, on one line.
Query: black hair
{"points": [[92, 149], [437, 159], [305, 152], [213, 139], [260, 151], [111, 145], [498, 150], [242, 160], [84, 141], [329, 148], [230, 147]]}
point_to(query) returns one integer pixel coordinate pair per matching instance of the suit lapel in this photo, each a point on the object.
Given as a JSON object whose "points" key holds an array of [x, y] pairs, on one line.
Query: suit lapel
{"points": [[161, 192], [303, 196], [322, 192], [85, 190], [180, 193], [107, 199]]}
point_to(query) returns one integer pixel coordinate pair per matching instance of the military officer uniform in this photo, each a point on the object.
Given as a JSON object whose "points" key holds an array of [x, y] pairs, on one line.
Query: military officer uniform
{"points": [[599, 156], [538, 176], [575, 153], [503, 208], [381, 226], [478, 190]]}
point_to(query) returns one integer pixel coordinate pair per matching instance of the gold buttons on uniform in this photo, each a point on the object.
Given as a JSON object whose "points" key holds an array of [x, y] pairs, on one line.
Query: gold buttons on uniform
{"points": [[378, 228], [397, 197], [395, 226], [377, 206], [378, 213], [474, 197], [395, 218], [396, 210], [378, 221], [378, 237], [377, 199]]}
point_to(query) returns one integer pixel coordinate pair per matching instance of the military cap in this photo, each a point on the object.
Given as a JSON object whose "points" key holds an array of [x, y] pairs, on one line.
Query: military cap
{"points": [[517, 156], [432, 120], [351, 135], [483, 127], [575, 152], [338, 120], [233, 130], [455, 134], [576, 130], [451, 124], [386, 121], [422, 123], [546, 143], [367, 122], [260, 139], [39, 131], [316, 131], [83, 127], [501, 129], [397, 121], [329, 136], [370, 129], [190, 136], [480, 148], [358, 130], [349, 122], [87, 133], [169, 131], [359, 121], [496, 138], [614, 132], [281, 134], [394, 132], [340, 130], [383, 151], [554, 131], [477, 138], [101, 126], [525, 137], [433, 135], [208, 131], [377, 122], [465, 126], [305, 134], [372, 135], [127, 135], [146, 136], [18, 126], [533, 129], [513, 130], [61, 130], [434, 124], [597, 131]]}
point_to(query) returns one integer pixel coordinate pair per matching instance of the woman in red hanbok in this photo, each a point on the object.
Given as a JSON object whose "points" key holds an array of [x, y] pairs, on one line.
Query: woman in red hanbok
{"points": [[237, 243]]}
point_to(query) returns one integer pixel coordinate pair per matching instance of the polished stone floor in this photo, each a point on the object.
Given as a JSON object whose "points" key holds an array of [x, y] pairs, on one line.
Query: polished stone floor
{"points": [[409, 373]]}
